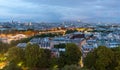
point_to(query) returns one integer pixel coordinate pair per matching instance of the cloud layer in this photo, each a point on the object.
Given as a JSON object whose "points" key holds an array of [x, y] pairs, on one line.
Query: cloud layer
{"points": [[60, 10]]}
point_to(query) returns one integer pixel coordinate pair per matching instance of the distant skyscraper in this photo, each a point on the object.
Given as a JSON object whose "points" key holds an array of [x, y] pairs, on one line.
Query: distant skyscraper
{"points": [[12, 21], [79, 20], [30, 23]]}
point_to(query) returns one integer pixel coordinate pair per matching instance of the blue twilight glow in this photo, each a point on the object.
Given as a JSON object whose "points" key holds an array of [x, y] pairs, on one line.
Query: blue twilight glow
{"points": [[60, 10]]}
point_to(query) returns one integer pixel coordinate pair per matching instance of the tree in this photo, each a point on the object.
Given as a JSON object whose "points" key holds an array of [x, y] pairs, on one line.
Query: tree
{"points": [[44, 61], [47, 35], [60, 46], [116, 60], [90, 60], [53, 63], [16, 55], [100, 59], [70, 31], [104, 58], [72, 67], [37, 57], [12, 66], [62, 60], [3, 47], [72, 53], [32, 55], [24, 40], [71, 56]]}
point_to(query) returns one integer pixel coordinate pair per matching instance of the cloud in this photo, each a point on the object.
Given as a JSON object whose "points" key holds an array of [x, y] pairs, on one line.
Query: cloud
{"points": [[60, 10]]}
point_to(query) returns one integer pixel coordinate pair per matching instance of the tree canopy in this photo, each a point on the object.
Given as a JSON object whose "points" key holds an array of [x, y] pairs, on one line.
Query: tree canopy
{"points": [[70, 31], [70, 56], [103, 58]]}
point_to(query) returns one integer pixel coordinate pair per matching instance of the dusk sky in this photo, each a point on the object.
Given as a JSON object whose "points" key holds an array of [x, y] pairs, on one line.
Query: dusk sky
{"points": [[60, 10]]}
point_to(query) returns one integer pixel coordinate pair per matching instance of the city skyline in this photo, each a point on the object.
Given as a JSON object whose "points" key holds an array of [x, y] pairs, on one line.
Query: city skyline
{"points": [[60, 10]]}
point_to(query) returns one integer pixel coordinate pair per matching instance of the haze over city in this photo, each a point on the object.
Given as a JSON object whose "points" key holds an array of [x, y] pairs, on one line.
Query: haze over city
{"points": [[59, 34], [60, 10]]}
